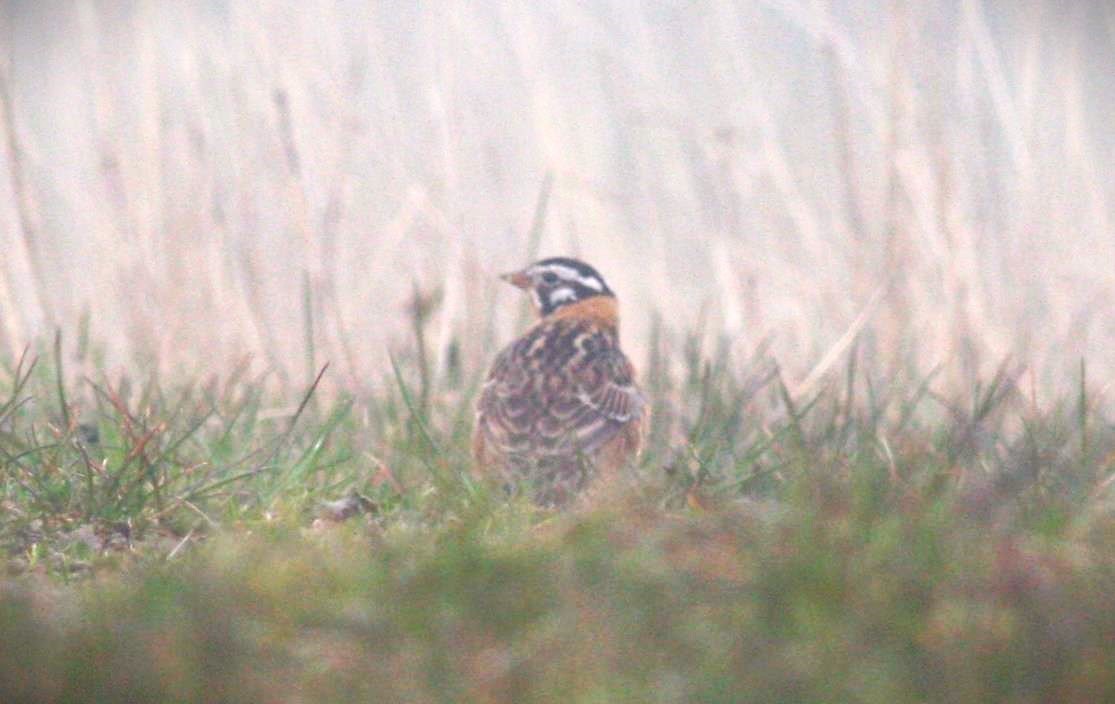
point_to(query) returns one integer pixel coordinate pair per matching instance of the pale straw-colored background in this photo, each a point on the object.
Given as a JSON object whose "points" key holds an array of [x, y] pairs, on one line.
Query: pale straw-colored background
{"points": [[198, 180]]}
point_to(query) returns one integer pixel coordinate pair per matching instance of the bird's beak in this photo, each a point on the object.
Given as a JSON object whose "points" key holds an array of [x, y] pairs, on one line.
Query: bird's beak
{"points": [[517, 278]]}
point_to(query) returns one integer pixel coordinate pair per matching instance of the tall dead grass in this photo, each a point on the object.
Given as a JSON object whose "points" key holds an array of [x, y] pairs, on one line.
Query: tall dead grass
{"points": [[926, 183]]}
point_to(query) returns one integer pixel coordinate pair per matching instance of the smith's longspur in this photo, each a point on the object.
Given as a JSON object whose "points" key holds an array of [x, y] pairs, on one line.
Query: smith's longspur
{"points": [[560, 406]]}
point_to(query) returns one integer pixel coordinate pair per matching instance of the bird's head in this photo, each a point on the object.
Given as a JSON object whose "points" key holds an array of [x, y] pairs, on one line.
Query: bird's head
{"points": [[557, 282]]}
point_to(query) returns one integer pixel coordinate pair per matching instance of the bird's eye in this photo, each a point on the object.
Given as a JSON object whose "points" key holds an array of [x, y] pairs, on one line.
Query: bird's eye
{"points": [[550, 277]]}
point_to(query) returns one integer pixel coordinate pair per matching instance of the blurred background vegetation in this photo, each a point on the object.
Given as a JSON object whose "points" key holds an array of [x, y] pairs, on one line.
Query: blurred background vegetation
{"points": [[194, 181]]}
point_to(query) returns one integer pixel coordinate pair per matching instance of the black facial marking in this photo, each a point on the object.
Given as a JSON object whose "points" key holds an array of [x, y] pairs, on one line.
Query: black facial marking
{"points": [[577, 265], [568, 281]]}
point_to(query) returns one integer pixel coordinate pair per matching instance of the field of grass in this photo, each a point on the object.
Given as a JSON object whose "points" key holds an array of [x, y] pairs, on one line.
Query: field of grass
{"points": [[871, 541]]}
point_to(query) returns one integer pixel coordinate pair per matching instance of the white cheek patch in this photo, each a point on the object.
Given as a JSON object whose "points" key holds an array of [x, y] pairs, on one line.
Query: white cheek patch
{"points": [[561, 295]]}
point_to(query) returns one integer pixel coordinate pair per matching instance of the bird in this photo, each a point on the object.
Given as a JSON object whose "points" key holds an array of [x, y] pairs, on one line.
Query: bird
{"points": [[560, 406]]}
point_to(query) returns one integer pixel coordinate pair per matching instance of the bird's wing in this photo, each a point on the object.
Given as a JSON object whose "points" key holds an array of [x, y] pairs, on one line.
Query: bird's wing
{"points": [[571, 399], [599, 397]]}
